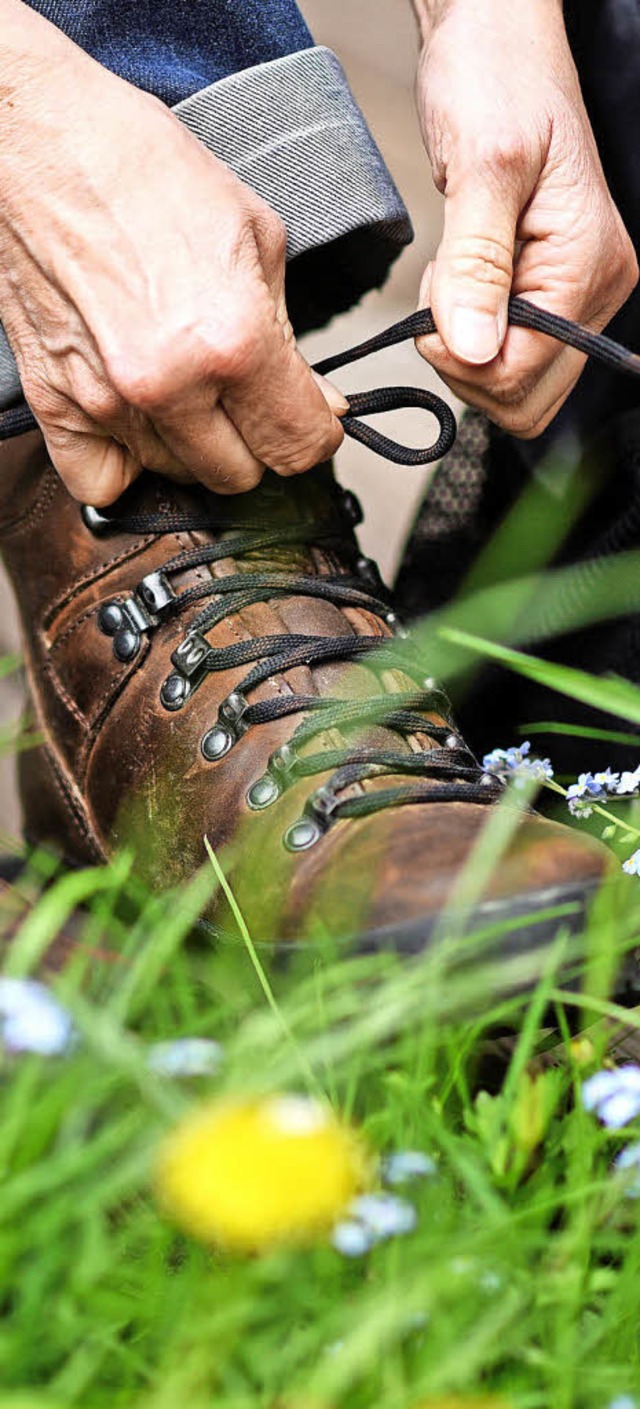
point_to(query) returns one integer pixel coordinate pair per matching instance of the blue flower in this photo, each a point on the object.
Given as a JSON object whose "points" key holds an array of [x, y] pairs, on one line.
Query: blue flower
{"points": [[582, 794], [632, 864], [405, 1165], [352, 1239], [32, 1020], [597, 787], [629, 782], [613, 1096], [372, 1219], [628, 1161], [185, 1056], [623, 1401], [608, 780], [514, 763]]}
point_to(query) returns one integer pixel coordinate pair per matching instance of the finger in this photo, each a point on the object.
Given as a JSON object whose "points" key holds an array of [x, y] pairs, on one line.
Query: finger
{"points": [[95, 468], [279, 408], [529, 413], [473, 270], [523, 387], [332, 395], [204, 441]]}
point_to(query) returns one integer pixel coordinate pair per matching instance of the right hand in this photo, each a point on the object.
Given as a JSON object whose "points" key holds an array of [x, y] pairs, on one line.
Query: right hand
{"points": [[143, 295]]}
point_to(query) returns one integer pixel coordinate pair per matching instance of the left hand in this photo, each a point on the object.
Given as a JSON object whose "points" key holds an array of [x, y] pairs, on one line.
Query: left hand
{"points": [[527, 207]]}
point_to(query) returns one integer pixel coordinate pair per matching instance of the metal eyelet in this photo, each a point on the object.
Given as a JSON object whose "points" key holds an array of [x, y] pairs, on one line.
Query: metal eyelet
{"points": [[229, 728], [175, 692], [118, 622], [215, 743], [453, 742], [367, 569], [156, 593], [262, 793], [97, 522], [126, 644], [302, 834], [284, 764], [352, 507]]}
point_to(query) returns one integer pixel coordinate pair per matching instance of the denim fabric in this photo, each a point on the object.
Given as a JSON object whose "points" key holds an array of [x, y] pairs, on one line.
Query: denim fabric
{"points": [[174, 47]]}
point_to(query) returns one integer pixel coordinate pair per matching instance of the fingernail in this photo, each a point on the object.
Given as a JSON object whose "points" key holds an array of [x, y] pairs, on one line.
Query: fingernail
{"points": [[476, 336], [338, 403]]}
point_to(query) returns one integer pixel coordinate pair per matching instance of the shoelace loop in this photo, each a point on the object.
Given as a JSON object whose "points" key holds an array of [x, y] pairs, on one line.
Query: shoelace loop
{"points": [[445, 770], [522, 314]]}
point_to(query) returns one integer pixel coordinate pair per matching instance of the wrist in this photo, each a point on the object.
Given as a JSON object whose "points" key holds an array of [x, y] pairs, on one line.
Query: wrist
{"points": [[430, 14]]}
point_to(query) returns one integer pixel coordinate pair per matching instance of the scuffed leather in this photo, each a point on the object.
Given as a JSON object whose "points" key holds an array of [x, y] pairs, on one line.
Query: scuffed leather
{"points": [[117, 769]]}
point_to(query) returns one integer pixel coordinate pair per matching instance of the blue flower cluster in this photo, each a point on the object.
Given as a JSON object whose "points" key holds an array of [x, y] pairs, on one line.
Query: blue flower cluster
{"points": [[515, 765], [374, 1218], [613, 1095], [595, 787]]}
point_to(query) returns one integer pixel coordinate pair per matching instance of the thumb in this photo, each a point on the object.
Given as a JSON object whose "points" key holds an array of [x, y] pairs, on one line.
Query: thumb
{"points": [[473, 271]]}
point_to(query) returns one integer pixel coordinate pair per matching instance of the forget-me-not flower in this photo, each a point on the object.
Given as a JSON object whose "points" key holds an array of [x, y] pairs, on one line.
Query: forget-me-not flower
{"points": [[632, 864], [184, 1057], [514, 764], [405, 1165], [628, 1160], [371, 1219], [32, 1020], [613, 1096], [629, 782]]}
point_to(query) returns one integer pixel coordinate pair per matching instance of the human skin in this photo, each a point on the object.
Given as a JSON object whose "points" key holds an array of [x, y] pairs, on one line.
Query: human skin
{"points": [[142, 285], [527, 209], [144, 296]]}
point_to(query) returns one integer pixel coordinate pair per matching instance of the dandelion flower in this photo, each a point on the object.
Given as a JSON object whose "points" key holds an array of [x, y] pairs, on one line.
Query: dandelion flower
{"points": [[250, 1175], [464, 1401]]}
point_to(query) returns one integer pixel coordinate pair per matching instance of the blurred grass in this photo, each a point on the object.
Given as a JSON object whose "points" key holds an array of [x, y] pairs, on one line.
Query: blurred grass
{"points": [[522, 1278]]}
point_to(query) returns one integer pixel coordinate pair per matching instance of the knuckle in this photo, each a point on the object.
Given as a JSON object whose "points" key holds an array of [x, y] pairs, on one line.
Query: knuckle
{"points": [[501, 153], [141, 382], [305, 453], [522, 421], [101, 404], [628, 270], [481, 259], [231, 355], [238, 482]]}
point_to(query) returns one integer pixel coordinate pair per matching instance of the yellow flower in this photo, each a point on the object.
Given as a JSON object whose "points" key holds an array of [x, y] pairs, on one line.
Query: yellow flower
{"points": [[249, 1175], [455, 1401]]}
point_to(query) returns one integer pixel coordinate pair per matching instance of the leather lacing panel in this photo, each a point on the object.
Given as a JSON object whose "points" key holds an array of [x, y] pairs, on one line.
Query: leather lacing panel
{"points": [[444, 772]]}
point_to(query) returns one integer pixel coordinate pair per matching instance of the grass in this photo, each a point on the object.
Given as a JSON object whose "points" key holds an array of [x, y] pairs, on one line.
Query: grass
{"points": [[522, 1277]]}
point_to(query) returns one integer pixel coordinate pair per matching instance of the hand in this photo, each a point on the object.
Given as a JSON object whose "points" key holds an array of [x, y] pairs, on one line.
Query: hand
{"points": [[143, 288], [527, 209]]}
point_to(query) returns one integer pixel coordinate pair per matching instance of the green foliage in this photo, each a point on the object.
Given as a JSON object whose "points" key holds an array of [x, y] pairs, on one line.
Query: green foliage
{"points": [[521, 1277]]}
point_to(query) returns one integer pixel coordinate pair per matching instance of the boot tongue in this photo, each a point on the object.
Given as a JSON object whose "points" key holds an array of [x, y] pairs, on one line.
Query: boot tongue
{"points": [[302, 501]]}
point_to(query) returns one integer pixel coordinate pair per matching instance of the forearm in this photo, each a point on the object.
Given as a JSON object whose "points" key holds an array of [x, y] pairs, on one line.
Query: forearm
{"points": [[46, 83]]}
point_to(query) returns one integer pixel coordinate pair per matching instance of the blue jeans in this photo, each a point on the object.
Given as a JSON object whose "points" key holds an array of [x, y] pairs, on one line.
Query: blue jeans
{"points": [[174, 47]]}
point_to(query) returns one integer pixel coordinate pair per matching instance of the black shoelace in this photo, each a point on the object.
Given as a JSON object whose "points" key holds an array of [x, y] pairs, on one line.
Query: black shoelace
{"points": [[443, 771]]}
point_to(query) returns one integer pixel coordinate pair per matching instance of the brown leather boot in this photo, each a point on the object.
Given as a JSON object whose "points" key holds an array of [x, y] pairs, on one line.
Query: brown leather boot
{"points": [[221, 667]]}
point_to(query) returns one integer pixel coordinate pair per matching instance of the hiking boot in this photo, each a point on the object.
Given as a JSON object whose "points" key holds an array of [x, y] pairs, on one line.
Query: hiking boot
{"points": [[224, 667]]}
